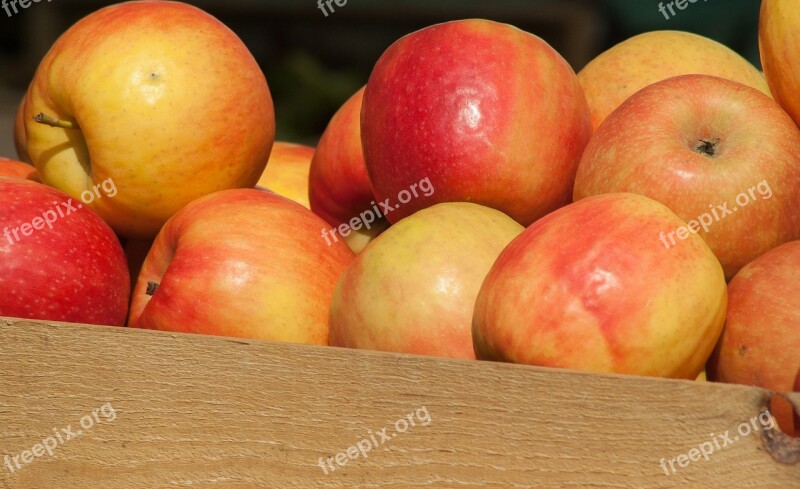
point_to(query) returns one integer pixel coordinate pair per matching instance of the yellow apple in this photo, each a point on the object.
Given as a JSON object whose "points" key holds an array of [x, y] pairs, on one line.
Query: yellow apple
{"points": [[642, 60], [413, 289], [159, 97], [779, 43], [287, 171]]}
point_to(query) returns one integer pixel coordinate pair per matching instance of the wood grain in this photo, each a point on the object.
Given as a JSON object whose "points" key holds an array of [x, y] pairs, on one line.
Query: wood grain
{"points": [[205, 412]]}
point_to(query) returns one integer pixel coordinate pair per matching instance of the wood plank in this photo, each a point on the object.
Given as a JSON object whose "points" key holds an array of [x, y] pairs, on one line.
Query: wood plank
{"points": [[214, 412]]}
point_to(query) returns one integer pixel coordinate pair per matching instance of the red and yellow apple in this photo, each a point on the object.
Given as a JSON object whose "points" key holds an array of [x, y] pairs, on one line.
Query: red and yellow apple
{"points": [[287, 171], [779, 45], [590, 287], [18, 169], [339, 187], [721, 155], [243, 263], [760, 344], [489, 113], [159, 97], [413, 289], [58, 260], [642, 60]]}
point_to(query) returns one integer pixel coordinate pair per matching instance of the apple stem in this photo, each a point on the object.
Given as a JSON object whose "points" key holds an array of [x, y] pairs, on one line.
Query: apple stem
{"points": [[151, 288], [45, 119], [707, 147]]}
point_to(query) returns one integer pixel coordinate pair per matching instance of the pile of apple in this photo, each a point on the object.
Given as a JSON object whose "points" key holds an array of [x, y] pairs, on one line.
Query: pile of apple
{"points": [[539, 243]]}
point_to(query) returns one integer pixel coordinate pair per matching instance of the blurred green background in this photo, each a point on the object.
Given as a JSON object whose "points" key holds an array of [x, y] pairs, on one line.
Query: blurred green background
{"points": [[313, 62]]}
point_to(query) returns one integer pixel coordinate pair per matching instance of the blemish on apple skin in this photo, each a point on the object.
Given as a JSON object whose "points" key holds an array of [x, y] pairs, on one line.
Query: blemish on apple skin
{"points": [[151, 288], [742, 350]]}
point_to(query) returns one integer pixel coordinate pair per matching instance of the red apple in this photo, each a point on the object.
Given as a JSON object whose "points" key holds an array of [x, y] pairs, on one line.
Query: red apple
{"points": [[58, 260], [760, 344], [339, 187], [489, 113], [413, 289], [590, 287], [243, 263], [721, 155], [18, 169], [287, 171]]}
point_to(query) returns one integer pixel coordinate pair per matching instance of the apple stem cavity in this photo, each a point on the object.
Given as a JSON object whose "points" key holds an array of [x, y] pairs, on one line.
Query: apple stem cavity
{"points": [[151, 288], [707, 147], [47, 120]]}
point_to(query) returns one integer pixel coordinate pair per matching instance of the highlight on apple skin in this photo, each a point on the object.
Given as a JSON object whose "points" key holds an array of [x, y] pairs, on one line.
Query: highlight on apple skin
{"points": [[589, 287], [243, 263], [489, 113], [140, 92]]}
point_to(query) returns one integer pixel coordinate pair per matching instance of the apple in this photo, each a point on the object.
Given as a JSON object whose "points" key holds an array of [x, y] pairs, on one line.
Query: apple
{"points": [[761, 340], [243, 263], [589, 287], [159, 97], [721, 155], [20, 139], [58, 260], [339, 187], [489, 113], [642, 60], [18, 169], [287, 171], [779, 45], [413, 289]]}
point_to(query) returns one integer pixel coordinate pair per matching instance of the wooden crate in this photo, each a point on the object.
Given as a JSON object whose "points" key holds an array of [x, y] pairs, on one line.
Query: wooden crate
{"points": [[205, 412]]}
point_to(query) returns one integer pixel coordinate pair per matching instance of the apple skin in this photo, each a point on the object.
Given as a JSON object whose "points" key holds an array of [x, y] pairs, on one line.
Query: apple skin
{"points": [[648, 147], [589, 287], [20, 139], [18, 169], [170, 105], [75, 272], [647, 58], [489, 113], [779, 45], [339, 187], [287, 171], [413, 289], [761, 340], [243, 263]]}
